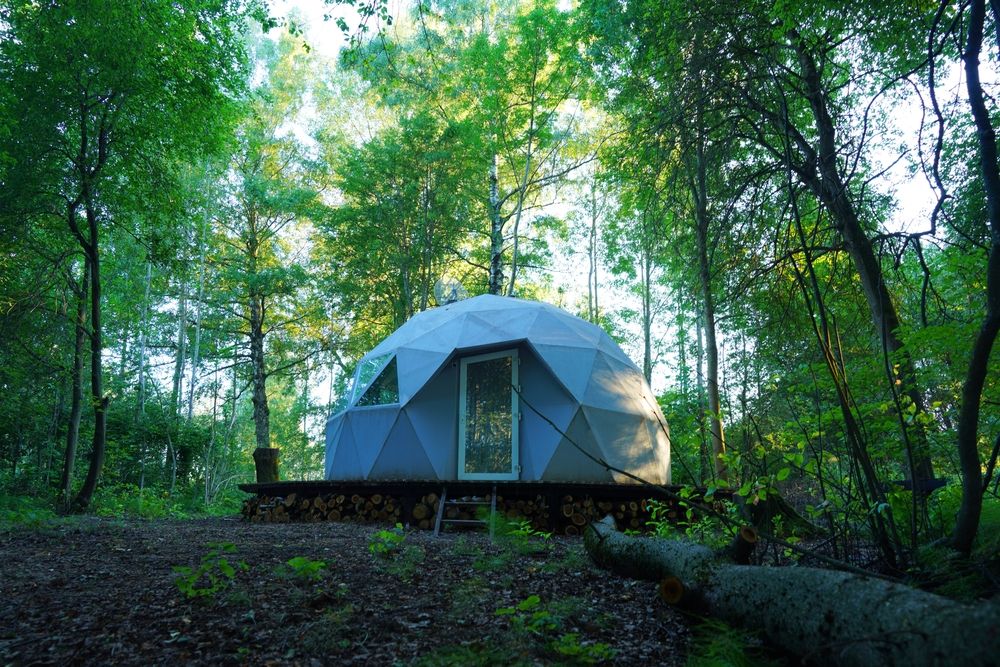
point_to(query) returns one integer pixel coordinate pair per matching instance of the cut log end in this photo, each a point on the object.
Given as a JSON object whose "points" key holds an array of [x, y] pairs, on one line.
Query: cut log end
{"points": [[671, 590]]}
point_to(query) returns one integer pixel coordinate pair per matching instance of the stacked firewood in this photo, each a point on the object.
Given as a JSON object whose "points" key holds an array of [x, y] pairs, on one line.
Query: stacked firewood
{"points": [[368, 508], [578, 512], [425, 511], [567, 517]]}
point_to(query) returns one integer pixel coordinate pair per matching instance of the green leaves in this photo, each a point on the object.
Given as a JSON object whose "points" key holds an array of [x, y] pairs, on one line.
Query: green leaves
{"points": [[305, 568], [387, 542], [214, 574]]}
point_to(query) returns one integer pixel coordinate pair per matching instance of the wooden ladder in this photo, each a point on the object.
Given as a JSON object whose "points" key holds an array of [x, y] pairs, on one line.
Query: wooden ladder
{"points": [[465, 502]]}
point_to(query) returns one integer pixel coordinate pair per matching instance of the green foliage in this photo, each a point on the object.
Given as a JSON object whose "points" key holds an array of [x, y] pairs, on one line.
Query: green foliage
{"points": [[399, 559], [215, 573], [386, 542], [570, 647], [531, 618], [716, 643], [128, 500], [692, 523], [518, 535], [305, 568], [574, 560], [475, 654], [24, 512]]}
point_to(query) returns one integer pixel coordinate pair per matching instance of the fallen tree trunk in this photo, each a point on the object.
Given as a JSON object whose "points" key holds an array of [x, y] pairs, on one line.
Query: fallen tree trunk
{"points": [[826, 616]]}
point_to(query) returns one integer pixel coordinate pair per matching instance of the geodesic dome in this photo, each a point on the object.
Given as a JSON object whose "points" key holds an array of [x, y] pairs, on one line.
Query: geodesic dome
{"points": [[468, 391]]}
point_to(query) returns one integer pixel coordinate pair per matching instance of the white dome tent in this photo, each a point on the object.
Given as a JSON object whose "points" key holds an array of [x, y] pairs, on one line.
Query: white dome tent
{"points": [[454, 394]]}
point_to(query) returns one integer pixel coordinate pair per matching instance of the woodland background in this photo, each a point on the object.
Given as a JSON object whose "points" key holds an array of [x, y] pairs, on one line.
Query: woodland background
{"points": [[788, 212]]}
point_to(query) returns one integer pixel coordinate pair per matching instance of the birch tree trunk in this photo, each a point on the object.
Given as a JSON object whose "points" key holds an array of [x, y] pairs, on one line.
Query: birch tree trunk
{"points": [[593, 306], [522, 189], [496, 231], [647, 314], [196, 350], [181, 347], [143, 326]]}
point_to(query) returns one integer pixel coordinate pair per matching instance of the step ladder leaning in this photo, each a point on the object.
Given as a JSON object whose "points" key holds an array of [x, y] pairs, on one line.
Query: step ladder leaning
{"points": [[465, 502]]}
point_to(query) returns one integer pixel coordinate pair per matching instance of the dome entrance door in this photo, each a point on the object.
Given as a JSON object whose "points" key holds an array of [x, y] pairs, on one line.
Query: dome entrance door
{"points": [[488, 417]]}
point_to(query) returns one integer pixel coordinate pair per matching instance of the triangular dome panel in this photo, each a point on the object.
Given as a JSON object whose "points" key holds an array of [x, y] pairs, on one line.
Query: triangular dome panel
{"points": [[515, 324], [550, 329], [345, 460], [334, 426], [442, 338], [620, 435], [370, 427], [415, 368], [402, 456], [615, 386], [480, 329], [573, 366], [433, 414], [609, 347], [539, 440], [569, 464]]}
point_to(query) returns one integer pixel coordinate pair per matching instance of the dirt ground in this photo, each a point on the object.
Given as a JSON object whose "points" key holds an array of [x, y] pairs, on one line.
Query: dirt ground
{"points": [[95, 591]]}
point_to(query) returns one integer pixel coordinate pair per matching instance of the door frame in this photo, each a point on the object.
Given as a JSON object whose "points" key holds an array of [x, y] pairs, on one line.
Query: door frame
{"points": [[515, 416]]}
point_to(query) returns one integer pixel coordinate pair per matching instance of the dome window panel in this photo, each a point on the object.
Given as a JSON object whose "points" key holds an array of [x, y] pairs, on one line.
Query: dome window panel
{"points": [[384, 390]]}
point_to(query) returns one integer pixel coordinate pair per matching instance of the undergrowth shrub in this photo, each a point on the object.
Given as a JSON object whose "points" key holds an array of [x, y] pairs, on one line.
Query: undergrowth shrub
{"points": [[25, 511], [215, 572]]}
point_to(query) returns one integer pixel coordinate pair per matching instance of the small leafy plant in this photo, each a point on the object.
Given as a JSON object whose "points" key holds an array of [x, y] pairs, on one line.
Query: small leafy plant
{"points": [[532, 618], [305, 568], [387, 542], [569, 646], [519, 536], [215, 573]]}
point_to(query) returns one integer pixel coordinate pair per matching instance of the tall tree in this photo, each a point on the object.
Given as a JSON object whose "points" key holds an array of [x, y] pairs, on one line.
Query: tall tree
{"points": [[970, 463], [261, 255], [105, 114]]}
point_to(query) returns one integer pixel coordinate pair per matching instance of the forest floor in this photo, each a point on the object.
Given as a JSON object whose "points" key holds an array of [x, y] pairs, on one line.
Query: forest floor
{"points": [[100, 591]]}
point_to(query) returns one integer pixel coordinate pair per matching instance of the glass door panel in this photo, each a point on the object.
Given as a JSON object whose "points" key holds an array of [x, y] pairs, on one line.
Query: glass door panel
{"points": [[488, 417]]}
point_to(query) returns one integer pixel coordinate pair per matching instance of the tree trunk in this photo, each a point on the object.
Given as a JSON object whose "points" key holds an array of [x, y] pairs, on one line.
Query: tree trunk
{"points": [[522, 191], [196, 350], [427, 234], [76, 399], [496, 231], [143, 325], [707, 469], [700, 191], [827, 617], [266, 461], [830, 188], [176, 394], [647, 314], [593, 307], [967, 523], [261, 412], [100, 401]]}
